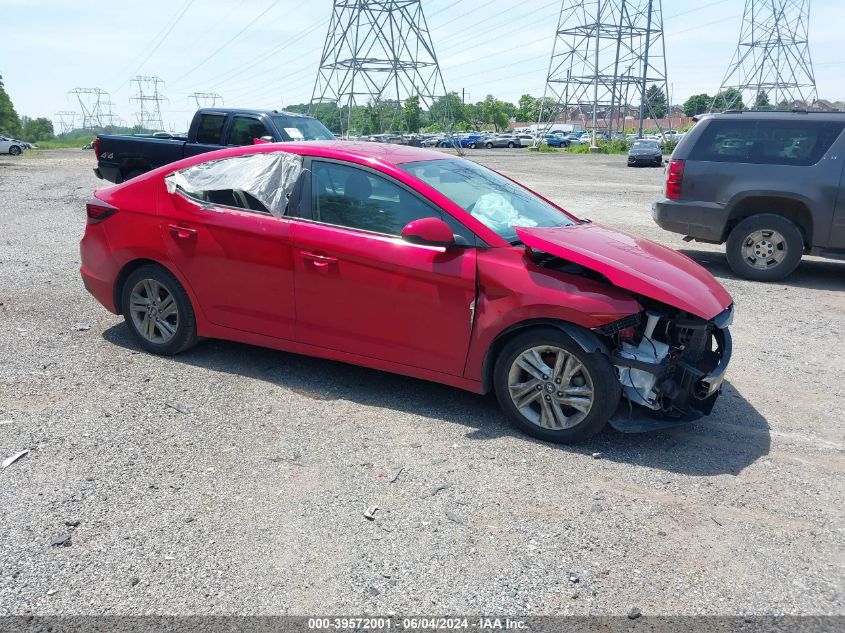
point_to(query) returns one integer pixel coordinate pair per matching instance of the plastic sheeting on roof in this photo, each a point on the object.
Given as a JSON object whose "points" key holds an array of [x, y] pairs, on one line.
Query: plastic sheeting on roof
{"points": [[269, 177]]}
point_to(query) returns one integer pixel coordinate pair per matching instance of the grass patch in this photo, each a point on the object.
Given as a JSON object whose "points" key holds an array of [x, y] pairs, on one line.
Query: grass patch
{"points": [[64, 143], [544, 149]]}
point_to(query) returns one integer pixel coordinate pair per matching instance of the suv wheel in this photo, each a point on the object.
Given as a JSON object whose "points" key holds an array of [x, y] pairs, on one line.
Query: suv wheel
{"points": [[765, 247], [552, 389]]}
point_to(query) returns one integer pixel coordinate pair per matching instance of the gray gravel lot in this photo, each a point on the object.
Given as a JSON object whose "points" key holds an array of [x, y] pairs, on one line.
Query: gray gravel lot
{"points": [[234, 479]]}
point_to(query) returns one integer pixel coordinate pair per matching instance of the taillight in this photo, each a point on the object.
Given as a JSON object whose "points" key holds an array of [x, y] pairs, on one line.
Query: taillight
{"points": [[97, 210], [96, 146], [674, 179]]}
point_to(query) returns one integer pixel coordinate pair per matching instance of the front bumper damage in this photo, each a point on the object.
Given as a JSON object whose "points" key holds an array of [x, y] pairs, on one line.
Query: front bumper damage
{"points": [[671, 367]]}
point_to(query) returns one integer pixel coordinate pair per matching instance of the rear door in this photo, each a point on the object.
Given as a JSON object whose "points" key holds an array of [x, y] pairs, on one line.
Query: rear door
{"points": [[837, 230], [361, 289], [235, 256]]}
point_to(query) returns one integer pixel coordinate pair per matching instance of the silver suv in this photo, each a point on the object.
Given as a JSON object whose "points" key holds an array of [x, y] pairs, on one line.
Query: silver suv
{"points": [[769, 184]]}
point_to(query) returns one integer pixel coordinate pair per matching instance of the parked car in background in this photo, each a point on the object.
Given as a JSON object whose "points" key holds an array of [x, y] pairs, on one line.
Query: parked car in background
{"points": [[11, 146], [501, 140], [526, 140], [121, 157], [645, 152], [446, 271], [769, 185], [554, 140]]}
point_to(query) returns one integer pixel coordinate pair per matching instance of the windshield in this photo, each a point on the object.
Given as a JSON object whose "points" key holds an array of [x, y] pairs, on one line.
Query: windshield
{"points": [[296, 128], [645, 145], [490, 198]]}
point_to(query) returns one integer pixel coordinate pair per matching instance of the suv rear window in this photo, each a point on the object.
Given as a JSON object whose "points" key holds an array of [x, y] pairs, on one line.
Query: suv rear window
{"points": [[762, 142]]}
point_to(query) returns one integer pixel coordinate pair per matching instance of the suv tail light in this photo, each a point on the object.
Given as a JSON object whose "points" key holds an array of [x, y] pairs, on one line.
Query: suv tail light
{"points": [[96, 146], [674, 179], [97, 210]]}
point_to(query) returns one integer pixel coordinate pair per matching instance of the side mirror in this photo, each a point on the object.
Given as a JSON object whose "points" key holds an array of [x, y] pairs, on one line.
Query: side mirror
{"points": [[428, 232]]}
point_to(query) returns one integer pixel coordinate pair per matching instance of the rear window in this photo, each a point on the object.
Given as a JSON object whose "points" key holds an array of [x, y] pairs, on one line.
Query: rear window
{"points": [[210, 128], [761, 142]]}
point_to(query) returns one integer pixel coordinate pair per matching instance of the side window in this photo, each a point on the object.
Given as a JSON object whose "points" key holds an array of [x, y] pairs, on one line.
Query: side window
{"points": [[229, 198], [766, 142], [350, 197], [210, 129], [245, 129]]}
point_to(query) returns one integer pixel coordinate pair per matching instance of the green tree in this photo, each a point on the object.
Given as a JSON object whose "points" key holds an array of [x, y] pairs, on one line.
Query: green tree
{"points": [[10, 124], [449, 108], [34, 130], [527, 110], [761, 101], [697, 104], [730, 99], [655, 102], [412, 113]]}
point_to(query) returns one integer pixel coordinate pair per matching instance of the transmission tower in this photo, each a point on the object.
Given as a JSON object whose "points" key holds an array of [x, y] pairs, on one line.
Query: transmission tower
{"points": [[606, 55], [378, 53], [67, 121], [149, 100], [206, 99], [90, 106], [772, 61]]}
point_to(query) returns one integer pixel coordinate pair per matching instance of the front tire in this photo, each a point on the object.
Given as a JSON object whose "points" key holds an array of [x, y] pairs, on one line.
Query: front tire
{"points": [[551, 388], [510, 145], [489, 146], [764, 247], [14, 150], [158, 311]]}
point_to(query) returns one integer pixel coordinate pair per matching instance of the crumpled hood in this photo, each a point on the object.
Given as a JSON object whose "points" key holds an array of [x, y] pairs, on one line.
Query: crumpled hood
{"points": [[635, 264]]}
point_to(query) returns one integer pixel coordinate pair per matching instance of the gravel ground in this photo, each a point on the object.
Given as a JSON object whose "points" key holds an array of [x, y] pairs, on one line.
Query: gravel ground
{"points": [[234, 479]]}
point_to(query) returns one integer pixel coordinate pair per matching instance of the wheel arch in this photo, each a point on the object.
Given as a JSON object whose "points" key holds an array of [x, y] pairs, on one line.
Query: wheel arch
{"points": [[586, 339], [793, 209], [130, 267]]}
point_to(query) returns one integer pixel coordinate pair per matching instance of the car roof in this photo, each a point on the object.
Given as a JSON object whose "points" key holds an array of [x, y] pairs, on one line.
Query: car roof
{"points": [[783, 115], [252, 111]]}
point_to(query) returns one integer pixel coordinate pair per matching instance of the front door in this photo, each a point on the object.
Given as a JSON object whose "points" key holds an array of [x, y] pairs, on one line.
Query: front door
{"points": [[235, 257], [361, 289]]}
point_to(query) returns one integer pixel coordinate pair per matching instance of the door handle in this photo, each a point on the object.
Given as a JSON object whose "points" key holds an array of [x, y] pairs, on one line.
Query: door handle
{"points": [[182, 232], [321, 261]]}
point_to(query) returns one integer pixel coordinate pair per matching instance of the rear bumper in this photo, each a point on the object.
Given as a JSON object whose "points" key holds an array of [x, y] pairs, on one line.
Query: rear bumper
{"points": [[108, 172], [101, 289], [704, 221]]}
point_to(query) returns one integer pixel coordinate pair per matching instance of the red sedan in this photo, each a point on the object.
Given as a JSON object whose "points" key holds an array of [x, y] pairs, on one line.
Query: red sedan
{"points": [[415, 262]]}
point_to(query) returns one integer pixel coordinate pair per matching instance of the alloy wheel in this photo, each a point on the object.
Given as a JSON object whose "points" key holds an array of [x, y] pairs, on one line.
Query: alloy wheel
{"points": [[764, 249], [550, 387], [154, 312]]}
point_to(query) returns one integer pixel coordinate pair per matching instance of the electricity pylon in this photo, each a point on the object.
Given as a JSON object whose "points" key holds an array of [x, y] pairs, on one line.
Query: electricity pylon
{"points": [[772, 63], [149, 100], [205, 99], [606, 55], [90, 106], [67, 121], [378, 53]]}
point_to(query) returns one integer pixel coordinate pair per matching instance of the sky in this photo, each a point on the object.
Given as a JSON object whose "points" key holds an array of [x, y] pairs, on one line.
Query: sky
{"points": [[264, 53]]}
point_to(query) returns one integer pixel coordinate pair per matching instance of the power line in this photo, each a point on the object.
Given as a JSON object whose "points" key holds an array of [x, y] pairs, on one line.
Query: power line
{"points": [[229, 41]]}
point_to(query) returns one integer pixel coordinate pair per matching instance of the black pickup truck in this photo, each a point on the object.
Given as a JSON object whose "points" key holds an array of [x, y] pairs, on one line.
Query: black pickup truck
{"points": [[121, 157]]}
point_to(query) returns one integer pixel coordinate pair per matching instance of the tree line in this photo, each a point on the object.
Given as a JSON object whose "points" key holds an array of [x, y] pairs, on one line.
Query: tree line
{"points": [[22, 127]]}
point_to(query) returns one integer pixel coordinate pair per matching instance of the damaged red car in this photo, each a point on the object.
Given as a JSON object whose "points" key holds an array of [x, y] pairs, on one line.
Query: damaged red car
{"points": [[414, 262]]}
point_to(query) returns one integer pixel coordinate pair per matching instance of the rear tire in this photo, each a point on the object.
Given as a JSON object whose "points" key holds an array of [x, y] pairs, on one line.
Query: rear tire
{"points": [[489, 146], [169, 331], [764, 247], [510, 145], [558, 410]]}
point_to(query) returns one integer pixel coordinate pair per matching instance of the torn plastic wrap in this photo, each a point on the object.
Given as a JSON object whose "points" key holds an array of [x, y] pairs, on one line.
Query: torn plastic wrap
{"points": [[269, 177]]}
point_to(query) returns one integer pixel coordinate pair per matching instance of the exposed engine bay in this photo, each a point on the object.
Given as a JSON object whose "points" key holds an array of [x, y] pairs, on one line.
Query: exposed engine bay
{"points": [[672, 364], [668, 361]]}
